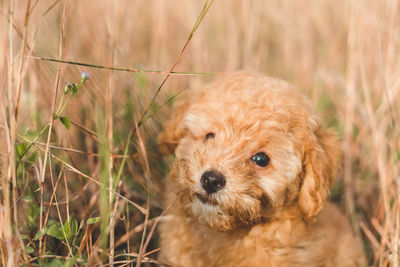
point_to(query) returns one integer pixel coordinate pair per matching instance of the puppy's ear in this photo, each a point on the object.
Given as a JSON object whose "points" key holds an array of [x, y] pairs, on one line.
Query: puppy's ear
{"points": [[319, 171], [169, 137]]}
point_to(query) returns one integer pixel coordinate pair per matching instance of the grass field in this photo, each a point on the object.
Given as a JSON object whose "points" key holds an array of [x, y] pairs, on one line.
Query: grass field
{"points": [[81, 176]]}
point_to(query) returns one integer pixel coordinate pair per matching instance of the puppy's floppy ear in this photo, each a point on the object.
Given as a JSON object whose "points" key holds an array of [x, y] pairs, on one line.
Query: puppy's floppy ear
{"points": [[319, 171], [169, 137]]}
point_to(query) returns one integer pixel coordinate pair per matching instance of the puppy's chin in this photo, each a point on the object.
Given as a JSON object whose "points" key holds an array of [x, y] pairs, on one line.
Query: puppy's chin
{"points": [[211, 215], [222, 214]]}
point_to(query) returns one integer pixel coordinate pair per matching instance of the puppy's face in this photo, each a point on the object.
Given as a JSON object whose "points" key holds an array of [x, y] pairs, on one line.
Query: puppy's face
{"points": [[245, 148]]}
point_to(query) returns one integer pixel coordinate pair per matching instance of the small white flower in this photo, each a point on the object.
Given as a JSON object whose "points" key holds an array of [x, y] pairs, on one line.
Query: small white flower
{"points": [[84, 76]]}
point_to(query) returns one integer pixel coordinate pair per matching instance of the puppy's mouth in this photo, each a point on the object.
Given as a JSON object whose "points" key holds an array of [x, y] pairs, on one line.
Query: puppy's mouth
{"points": [[206, 199]]}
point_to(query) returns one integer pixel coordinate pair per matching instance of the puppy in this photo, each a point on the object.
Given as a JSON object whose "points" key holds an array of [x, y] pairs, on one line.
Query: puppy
{"points": [[253, 168]]}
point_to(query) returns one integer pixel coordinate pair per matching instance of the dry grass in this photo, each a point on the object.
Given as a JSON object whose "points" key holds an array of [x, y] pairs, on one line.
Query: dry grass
{"points": [[342, 54]]}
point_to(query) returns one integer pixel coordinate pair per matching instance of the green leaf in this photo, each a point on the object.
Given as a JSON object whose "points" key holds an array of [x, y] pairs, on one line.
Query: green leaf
{"points": [[70, 228], [93, 220], [55, 230], [70, 262], [67, 229], [21, 149], [66, 121], [74, 227], [52, 263], [29, 250], [39, 234], [32, 211], [33, 157]]}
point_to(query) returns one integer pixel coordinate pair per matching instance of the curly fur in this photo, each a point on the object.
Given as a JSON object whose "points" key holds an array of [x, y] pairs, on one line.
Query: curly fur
{"points": [[263, 216]]}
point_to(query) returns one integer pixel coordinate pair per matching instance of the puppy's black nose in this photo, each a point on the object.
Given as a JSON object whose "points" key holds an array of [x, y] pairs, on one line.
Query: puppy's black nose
{"points": [[212, 181]]}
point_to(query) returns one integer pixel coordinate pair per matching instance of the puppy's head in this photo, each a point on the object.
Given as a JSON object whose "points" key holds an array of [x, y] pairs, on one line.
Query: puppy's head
{"points": [[246, 148]]}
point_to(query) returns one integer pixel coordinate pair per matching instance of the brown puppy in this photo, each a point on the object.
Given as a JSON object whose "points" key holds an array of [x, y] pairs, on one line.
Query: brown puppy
{"points": [[253, 169]]}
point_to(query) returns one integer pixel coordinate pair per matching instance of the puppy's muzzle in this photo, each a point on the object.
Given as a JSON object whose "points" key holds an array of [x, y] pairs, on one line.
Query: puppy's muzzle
{"points": [[212, 181]]}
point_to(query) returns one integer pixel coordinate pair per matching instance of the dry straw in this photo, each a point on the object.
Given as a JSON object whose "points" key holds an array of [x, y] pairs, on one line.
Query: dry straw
{"points": [[64, 153]]}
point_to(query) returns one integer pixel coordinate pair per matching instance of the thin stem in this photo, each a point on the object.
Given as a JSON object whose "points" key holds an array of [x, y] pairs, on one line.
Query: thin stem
{"points": [[199, 19], [109, 133], [56, 83], [141, 209], [58, 114], [59, 105], [10, 255], [184, 73], [13, 111]]}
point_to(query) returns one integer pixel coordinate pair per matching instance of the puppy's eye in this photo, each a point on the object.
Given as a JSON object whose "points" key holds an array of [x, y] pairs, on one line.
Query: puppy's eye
{"points": [[260, 159], [208, 136]]}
